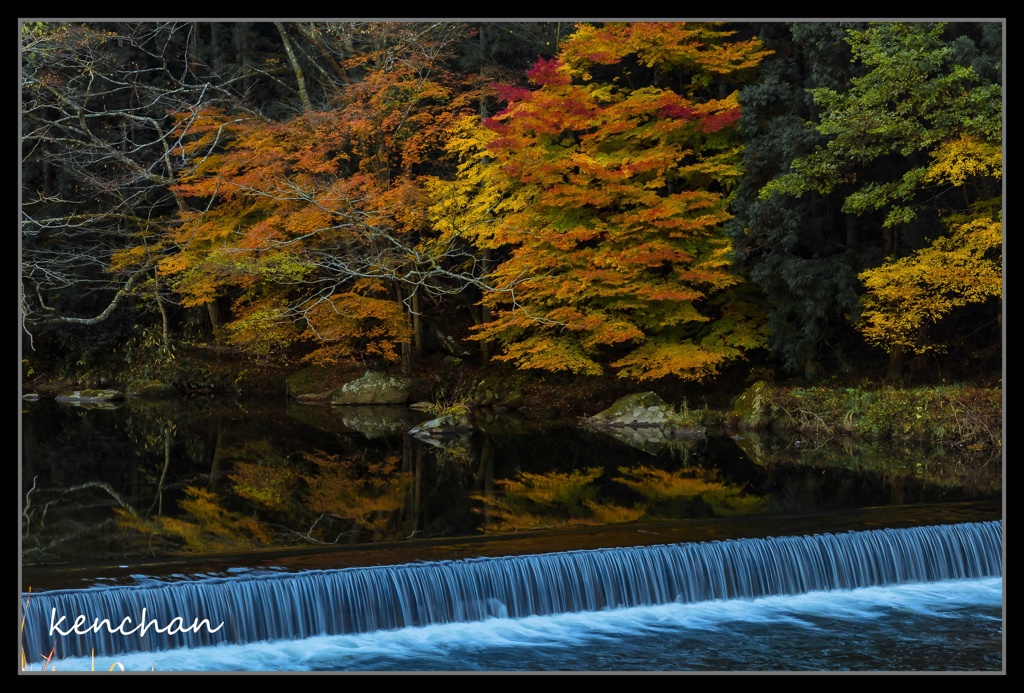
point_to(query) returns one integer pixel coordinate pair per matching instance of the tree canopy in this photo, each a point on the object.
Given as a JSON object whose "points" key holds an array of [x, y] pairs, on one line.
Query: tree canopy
{"points": [[645, 199], [915, 143], [610, 194]]}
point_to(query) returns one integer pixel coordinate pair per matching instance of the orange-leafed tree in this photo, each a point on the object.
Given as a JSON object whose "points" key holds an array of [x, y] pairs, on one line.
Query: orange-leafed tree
{"points": [[607, 187], [313, 225], [272, 226]]}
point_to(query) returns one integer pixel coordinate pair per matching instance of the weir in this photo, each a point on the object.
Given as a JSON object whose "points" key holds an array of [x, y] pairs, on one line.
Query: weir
{"points": [[209, 611]]}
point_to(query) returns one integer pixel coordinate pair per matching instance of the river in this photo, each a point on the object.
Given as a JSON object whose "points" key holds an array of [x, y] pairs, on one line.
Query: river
{"points": [[201, 489]]}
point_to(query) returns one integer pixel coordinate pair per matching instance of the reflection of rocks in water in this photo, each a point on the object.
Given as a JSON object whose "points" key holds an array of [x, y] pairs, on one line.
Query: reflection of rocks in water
{"points": [[654, 441], [484, 419], [369, 421], [644, 421], [90, 397], [453, 438], [499, 423], [376, 421], [457, 442], [93, 405], [650, 440], [442, 428]]}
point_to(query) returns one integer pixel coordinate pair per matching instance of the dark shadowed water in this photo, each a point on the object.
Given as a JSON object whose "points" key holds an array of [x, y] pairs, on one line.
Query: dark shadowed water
{"points": [[157, 495]]}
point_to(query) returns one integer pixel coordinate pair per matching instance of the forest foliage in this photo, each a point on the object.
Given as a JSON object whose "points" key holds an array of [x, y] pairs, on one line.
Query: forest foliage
{"points": [[649, 200]]}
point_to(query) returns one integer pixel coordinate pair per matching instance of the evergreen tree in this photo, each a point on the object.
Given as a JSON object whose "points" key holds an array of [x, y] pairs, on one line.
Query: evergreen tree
{"points": [[802, 253], [851, 166], [914, 149]]}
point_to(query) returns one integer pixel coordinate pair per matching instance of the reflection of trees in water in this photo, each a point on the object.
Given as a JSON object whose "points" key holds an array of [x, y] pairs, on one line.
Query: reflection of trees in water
{"points": [[839, 471], [688, 491], [353, 495], [582, 497], [532, 501], [113, 484], [80, 463], [270, 486], [226, 478], [323, 498], [204, 525]]}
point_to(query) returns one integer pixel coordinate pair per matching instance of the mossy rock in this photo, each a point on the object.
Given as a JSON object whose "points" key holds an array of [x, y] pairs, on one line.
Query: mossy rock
{"points": [[498, 391], [374, 388], [151, 388], [752, 408], [638, 410]]}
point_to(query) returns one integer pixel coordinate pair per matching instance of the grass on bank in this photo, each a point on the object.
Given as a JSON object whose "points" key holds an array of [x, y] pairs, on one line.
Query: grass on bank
{"points": [[961, 415]]}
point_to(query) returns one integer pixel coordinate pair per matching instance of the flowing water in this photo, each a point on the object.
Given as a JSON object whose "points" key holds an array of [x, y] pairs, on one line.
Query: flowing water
{"points": [[278, 539], [954, 626]]}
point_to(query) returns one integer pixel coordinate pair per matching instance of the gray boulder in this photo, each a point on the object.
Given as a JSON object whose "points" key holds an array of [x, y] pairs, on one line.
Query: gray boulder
{"points": [[374, 388], [91, 396], [638, 410], [648, 414], [500, 393], [454, 424]]}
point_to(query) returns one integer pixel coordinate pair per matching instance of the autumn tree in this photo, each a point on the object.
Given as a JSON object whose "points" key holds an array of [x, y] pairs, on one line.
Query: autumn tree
{"points": [[907, 296], [500, 53], [314, 224], [606, 187], [916, 141], [107, 115]]}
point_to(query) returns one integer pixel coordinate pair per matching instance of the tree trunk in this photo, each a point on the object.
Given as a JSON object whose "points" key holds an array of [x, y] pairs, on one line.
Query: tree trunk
{"points": [[417, 326], [217, 462], [164, 318], [485, 311], [158, 502], [214, 314], [405, 348], [895, 370], [293, 59], [888, 241]]}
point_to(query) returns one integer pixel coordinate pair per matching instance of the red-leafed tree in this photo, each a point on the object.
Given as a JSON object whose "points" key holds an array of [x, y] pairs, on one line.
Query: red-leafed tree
{"points": [[608, 185]]}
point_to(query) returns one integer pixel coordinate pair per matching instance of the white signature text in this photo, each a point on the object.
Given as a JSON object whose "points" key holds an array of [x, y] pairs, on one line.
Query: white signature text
{"points": [[82, 626]]}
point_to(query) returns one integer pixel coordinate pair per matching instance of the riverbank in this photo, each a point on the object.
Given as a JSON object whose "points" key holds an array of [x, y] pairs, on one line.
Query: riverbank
{"points": [[966, 415]]}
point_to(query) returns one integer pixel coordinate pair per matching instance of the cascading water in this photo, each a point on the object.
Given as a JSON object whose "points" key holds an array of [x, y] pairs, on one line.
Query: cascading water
{"points": [[250, 609]]}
